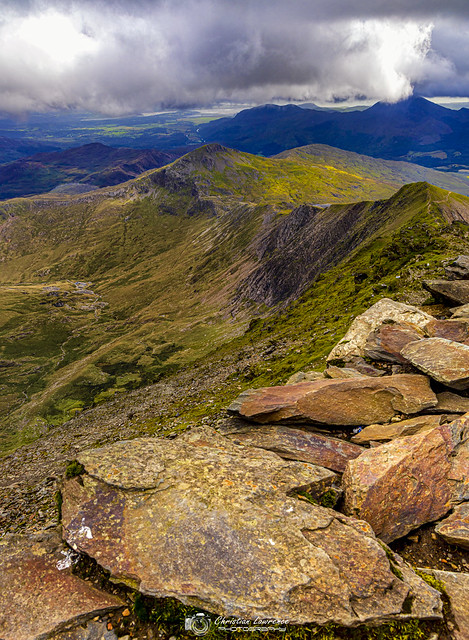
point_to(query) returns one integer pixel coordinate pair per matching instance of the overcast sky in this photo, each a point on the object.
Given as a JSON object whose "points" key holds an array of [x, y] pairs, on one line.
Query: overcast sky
{"points": [[124, 56]]}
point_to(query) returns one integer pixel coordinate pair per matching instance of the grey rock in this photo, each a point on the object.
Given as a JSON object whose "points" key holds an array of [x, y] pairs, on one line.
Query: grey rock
{"points": [[385, 310], [214, 524], [458, 269], [305, 376], [451, 291]]}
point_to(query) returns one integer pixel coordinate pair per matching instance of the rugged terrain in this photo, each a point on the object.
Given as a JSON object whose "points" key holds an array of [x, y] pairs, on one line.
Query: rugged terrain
{"points": [[206, 245]]}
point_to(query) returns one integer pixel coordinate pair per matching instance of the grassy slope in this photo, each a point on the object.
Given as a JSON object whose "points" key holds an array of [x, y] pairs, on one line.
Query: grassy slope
{"points": [[155, 284]]}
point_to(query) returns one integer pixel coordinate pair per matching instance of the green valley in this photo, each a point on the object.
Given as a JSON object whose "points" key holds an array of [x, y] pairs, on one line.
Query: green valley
{"points": [[107, 292]]}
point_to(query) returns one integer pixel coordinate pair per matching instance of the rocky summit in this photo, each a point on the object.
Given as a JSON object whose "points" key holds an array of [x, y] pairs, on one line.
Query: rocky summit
{"points": [[218, 525]]}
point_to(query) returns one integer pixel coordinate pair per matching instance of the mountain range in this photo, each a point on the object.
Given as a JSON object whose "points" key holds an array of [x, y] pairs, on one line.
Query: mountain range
{"points": [[107, 291], [414, 130]]}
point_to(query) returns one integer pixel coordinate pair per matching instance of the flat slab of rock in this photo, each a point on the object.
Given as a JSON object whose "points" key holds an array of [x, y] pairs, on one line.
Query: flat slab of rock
{"points": [[457, 589], [403, 484], [354, 402], [455, 528], [298, 444], [39, 594], [458, 269], [460, 312], [393, 430], [444, 360], [452, 291], [342, 373], [383, 311], [213, 524], [449, 402], [387, 340]]}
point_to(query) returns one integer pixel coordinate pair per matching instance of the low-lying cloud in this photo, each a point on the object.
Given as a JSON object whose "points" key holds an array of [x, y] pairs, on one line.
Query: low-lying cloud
{"points": [[119, 57]]}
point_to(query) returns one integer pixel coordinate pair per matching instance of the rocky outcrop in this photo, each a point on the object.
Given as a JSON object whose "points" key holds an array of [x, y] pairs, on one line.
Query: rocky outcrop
{"points": [[444, 360], [451, 291], [216, 525], [458, 269], [410, 481], [299, 444], [456, 586], [355, 402], [387, 340], [455, 528], [382, 312], [39, 594], [393, 430]]}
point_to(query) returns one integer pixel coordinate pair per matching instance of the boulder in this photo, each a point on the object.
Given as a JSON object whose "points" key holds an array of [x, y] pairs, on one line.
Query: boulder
{"points": [[457, 330], [458, 269], [460, 312], [383, 311], [444, 360], [387, 340], [39, 594], [305, 376], [403, 484], [298, 444], [217, 526], [354, 402], [455, 528], [450, 403], [393, 430], [451, 291], [456, 586]]}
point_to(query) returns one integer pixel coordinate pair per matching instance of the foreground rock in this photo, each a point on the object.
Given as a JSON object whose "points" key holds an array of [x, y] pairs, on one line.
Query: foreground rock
{"points": [[455, 528], [451, 291], [456, 587], [212, 524], [39, 594], [410, 481], [382, 312], [355, 402], [443, 360], [393, 430], [297, 444]]}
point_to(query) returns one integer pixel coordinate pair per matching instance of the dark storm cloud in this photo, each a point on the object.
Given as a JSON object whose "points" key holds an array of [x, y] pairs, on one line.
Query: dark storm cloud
{"points": [[118, 56]]}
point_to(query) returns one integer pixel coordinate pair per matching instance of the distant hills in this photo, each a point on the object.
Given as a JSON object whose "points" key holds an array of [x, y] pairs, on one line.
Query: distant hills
{"points": [[107, 291], [414, 130], [82, 169]]}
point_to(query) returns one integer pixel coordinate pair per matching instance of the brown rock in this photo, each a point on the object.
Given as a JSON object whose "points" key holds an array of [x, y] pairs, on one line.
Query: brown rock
{"points": [[456, 586], [458, 269], [451, 291], [443, 360], [456, 330], [410, 481], [455, 528], [354, 402], [450, 403], [298, 444], [386, 342], [39, 594], [215, 525], [383, 311], [387, 432]]}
